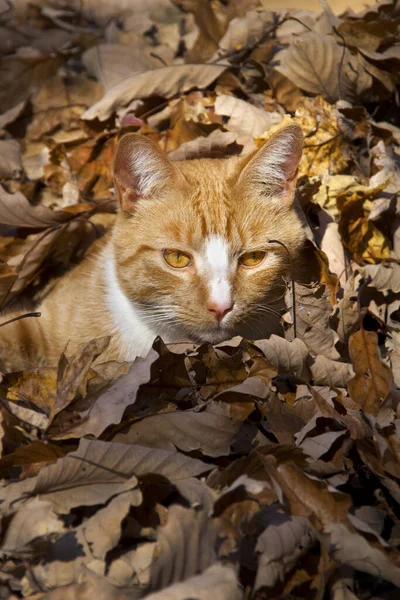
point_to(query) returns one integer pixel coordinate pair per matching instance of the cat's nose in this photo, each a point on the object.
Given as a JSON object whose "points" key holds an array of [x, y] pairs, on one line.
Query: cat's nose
{"points": [[219, 309]]}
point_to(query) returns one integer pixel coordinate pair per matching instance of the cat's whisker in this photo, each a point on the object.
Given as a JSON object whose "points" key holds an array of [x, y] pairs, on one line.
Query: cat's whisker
{"points": [[262, 308]]}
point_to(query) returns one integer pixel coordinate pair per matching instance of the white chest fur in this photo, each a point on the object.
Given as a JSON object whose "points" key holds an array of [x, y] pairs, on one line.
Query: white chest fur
{"points": [[135, 336]]}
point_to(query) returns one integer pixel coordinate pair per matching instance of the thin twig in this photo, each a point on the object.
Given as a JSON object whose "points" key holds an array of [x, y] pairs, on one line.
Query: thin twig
{"points": [[292, 280]]}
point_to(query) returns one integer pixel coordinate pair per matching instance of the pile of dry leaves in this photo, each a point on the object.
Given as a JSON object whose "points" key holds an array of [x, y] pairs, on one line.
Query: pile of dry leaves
{"points": [[265, 469]]}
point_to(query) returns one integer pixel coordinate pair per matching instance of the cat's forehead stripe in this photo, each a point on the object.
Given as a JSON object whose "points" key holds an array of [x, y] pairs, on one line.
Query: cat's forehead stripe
{"points": [[217, 268], [216, 250]]}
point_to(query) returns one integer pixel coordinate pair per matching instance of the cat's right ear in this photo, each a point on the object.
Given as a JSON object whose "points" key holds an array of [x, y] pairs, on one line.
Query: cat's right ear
{"points": [[141, 169], [272, 171]]}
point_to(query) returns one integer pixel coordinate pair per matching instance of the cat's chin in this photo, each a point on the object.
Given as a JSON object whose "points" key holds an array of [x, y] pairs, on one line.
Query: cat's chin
{"points": [[214, 337]]}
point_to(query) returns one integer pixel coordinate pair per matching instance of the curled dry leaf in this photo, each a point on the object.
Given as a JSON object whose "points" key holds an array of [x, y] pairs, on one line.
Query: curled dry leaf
{"points": [[329, 372], [383, 277], [15, 210], [373, 379], [352, 548], [285, 539], [164, 82], [319, 65], [111, 63], [313, 311], [245, 120], [10, 158], [286, 356], [209, 432], [218, 581], [196, 551], [325, 151], [216, 143], [110, 406], [364, 241], [244, 32], [33, 520], [72, 373], [91, 475], [103, 530]]}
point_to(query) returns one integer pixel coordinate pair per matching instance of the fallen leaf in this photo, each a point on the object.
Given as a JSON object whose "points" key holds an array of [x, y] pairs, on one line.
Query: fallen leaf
{"points": [[329, 372], [165, 82], [33, 520], [208, 432], [15, 210], [244, 32], [313, 311], [285, 539], [215, 144], [245, 120], [91, 475], [110, 406], [218, 580], [287, 357], [10, 158], [319, 65], [373, 379], [383, 277], [196, 551]]}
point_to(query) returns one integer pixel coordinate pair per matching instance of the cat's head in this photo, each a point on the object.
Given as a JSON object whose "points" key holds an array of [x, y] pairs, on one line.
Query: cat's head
{"points": [[192, 241]]}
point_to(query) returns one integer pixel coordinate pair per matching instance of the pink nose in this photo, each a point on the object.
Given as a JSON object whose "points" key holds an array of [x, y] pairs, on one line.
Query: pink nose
{"points": [[219, 309]]}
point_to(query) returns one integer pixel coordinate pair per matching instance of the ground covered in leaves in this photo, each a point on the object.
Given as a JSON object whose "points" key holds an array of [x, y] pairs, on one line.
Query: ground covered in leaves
{"points": [[253, 469]]}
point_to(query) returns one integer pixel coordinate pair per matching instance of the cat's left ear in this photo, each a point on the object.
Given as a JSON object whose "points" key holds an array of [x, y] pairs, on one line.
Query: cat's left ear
{"points": [[141, 170], [273, 169]]}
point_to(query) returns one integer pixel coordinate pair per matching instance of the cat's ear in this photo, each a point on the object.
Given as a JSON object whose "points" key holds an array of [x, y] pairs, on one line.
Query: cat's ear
{"points": [[273, 169], [141, 169]]}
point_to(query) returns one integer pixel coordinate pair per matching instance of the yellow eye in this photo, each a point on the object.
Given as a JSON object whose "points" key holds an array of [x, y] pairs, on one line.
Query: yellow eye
{"points": [[252, 259], [177, 258]]}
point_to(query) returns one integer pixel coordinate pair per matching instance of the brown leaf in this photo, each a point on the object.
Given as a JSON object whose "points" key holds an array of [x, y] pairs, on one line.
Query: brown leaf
{"points": [[103, 530], [287, 357], [165, 82], [35, 519], [246, 31], [91, 475], [110, 406], [208, 432], [365, 242], [10, 158], [383, 277], [35, 452], [373, 378], [308, 497], [329, 372], [72, 373], [216, 144], [218, 582], [196, 550], [319, 65], [111, 63], [313, 311], [15, 210], [349, 547], [285, 539], [90, 586], [246, 120], [284, 90]]}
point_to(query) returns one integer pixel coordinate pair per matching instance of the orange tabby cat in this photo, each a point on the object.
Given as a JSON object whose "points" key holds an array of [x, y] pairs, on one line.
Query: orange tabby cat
{"points": [[188, 257]]}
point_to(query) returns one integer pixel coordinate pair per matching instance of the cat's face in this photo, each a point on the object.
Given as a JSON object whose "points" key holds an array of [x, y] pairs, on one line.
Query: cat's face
{"points": [[192, 243]]}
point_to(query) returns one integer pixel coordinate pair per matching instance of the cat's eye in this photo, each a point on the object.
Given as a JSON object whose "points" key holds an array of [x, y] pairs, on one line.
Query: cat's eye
{"points": [[252, 259], [177, 258]]}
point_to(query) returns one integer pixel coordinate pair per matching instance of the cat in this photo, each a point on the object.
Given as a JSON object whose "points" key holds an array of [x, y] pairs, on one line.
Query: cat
{"points": [[188, 258]]}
